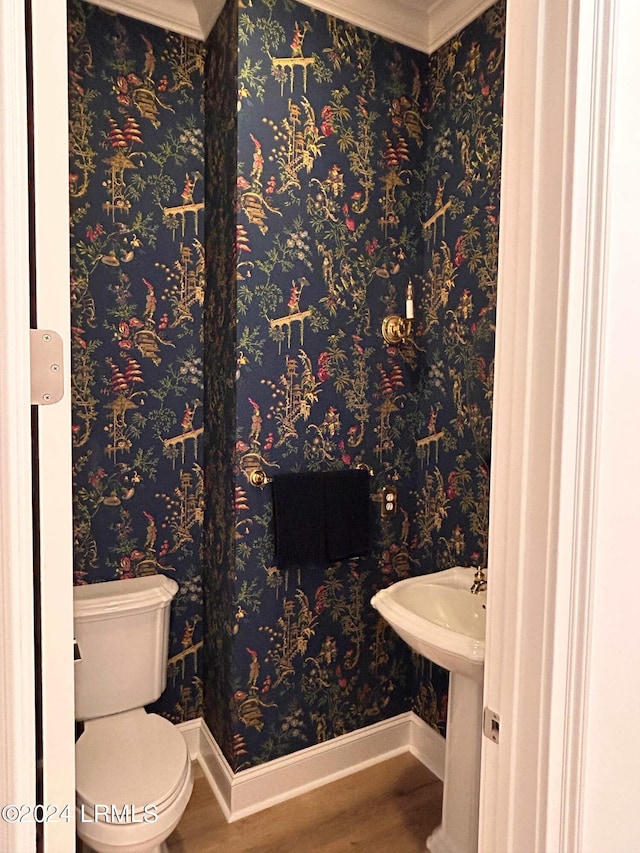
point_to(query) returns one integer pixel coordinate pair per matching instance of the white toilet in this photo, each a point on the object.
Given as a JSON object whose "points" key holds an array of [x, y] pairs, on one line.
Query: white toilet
{"points": [[133, 773]]}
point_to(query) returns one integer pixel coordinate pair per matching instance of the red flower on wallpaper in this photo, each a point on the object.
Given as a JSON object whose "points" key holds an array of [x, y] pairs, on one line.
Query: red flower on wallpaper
{"points": [[326, 127]]}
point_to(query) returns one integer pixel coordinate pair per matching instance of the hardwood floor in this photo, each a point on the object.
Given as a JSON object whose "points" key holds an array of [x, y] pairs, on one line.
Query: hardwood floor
{"points": [[388, 808]]}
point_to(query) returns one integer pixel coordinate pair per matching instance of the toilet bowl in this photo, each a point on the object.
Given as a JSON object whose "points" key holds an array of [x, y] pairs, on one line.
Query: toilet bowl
{"points": [[133, 772], [133, 782]]}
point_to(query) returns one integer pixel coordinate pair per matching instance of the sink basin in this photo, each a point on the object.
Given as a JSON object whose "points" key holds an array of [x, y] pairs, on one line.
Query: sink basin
{"points": [[438, 617]]}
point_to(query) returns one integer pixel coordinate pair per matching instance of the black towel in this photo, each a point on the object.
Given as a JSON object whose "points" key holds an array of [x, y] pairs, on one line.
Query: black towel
{"points": [[298, 514], [320, 517], [346, 509]]}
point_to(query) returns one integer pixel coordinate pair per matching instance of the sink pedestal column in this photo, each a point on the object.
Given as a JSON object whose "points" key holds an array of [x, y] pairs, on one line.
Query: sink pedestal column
{"points": [[458, 832]]}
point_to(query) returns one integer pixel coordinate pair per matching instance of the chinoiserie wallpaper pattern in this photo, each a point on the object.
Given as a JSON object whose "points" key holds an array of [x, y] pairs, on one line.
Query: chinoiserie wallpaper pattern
{"points": [[136, 179], [340, 167], [221, 135]]}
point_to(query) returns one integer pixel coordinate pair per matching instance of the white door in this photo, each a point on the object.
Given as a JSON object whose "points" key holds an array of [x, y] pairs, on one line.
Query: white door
{"points": [[563, 661], [40, 527]]}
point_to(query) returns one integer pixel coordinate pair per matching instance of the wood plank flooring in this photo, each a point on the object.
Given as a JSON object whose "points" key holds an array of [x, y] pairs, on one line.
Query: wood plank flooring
{"points": [[388, 808]]}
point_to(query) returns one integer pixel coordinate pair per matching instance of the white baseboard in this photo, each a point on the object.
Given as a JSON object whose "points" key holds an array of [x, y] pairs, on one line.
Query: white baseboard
{"points": [[427, 745], [257, 788], [191, 732]]}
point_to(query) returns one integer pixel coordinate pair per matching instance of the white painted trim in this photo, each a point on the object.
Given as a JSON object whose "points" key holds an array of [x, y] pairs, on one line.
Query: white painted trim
{"points": [[215, 766], [545, 437], [208, 12], [258, 788], [191, 732], [610, 818], [427, 745], [398, 21], [449, 17], [421, 24], [17, 689], [180, 16], [55, 527], [582, 402]]}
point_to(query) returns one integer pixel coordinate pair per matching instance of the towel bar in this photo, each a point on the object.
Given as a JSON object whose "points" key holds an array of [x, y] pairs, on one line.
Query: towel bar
{"points": [[258, 478], [364, 467]]}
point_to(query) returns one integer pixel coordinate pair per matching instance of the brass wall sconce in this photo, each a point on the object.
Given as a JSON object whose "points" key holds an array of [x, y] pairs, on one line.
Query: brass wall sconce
{"points": [[396, 329]]}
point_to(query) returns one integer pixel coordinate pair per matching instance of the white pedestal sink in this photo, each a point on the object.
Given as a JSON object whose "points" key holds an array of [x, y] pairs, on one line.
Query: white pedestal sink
{"points": [[439, 617]]}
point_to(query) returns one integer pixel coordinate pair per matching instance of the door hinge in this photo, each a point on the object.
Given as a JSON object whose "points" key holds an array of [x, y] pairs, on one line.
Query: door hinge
{"points": [[491, 725], [47, 376]]}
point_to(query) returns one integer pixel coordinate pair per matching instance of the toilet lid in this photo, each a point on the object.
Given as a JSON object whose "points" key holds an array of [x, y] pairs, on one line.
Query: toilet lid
{"points": [[137, 760]]}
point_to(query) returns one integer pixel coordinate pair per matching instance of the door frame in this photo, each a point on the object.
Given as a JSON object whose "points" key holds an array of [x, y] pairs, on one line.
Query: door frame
{"points": [[53, 526], [50, 75], [563, 233], [17, 686]]}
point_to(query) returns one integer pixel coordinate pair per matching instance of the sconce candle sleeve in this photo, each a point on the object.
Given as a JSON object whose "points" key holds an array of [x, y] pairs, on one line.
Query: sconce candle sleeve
{"points": [[409, 305]]}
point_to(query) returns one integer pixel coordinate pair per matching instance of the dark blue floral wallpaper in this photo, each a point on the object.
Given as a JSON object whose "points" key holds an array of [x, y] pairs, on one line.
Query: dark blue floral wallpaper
{"points": [[137, 288], [324, 169], [362, 167], [219, 327]]}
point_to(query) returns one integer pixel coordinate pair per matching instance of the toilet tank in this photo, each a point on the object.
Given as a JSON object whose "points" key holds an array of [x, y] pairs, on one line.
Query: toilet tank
{"points": [[122, 631]]}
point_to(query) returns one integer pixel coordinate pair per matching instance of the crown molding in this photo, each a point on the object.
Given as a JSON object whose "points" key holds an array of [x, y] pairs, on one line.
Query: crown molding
{"points": [[403, 21], [193, 18], [448, 17], [420, 24]]}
